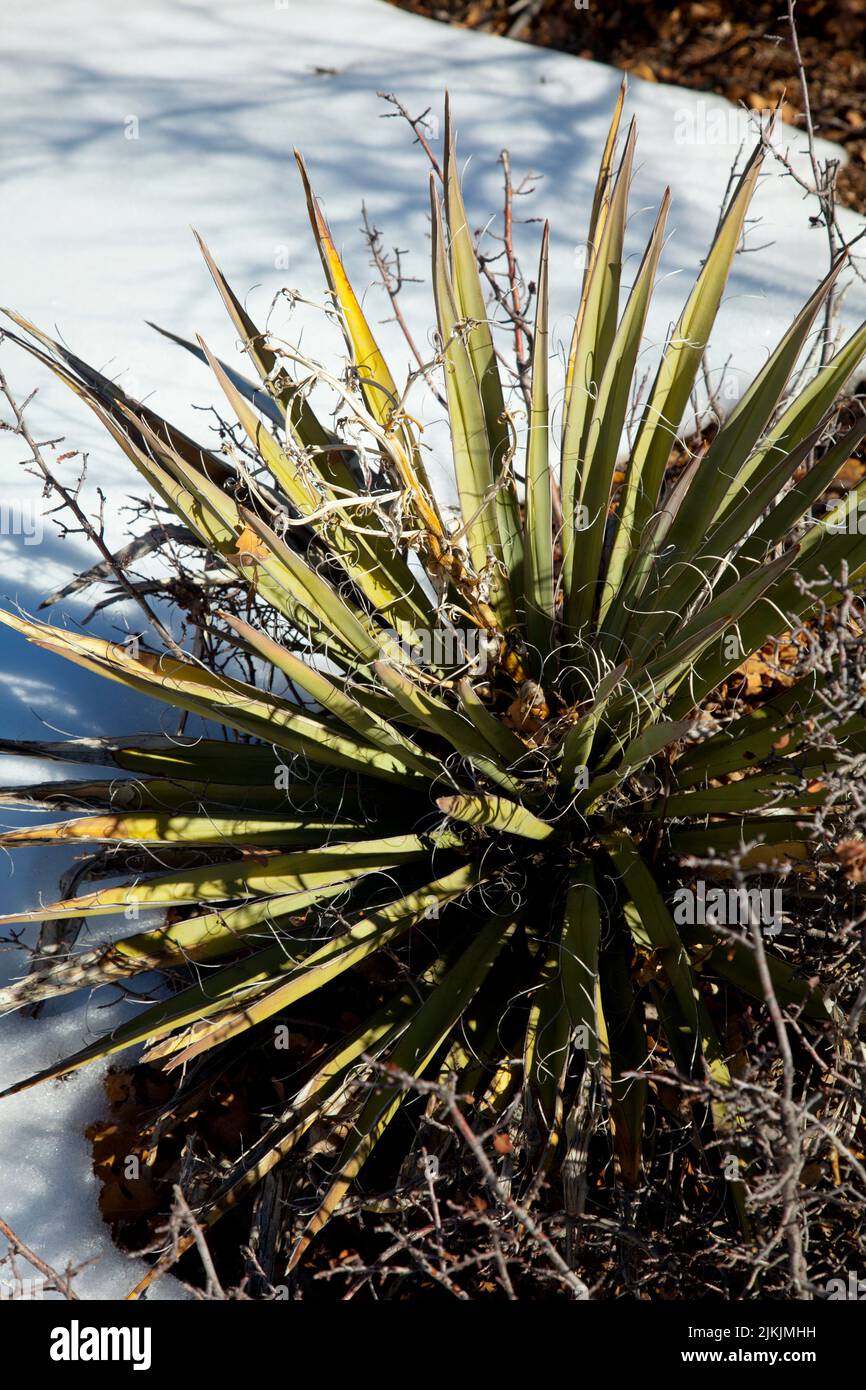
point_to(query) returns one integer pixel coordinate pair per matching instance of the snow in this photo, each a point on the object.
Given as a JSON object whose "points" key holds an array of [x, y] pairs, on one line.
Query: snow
{"points": [[117, 136]]}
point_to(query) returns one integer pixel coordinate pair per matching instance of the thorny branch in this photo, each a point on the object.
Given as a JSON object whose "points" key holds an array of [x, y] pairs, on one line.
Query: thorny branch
{"points": [[69, 500], [449, 1100], [57, 1281], [508, 296], [823, 189], [392, 277]]}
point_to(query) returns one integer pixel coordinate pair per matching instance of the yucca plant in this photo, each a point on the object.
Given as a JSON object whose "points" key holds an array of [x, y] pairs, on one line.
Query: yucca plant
{"points": [[503, 829]]}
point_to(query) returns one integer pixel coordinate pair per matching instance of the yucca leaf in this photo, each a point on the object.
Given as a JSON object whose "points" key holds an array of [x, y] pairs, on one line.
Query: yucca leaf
{"points": [[782, 720], [785, 790], [377, 383], [254, 977], [370, 727], [375, 379], [243, 980], [323, 449], [578, 742], [413, 1054], [496, 813], [623, 1049], [820, 555], [269, 875], [248, 389], [206, 936], [718, 564], [739, 434], [601, 194], [388, 584], [563, 1011], [675, 379], [469, 443], [293, 410], [316, 604], [158, 754], [653, 928], [733, 606], [692, 1035], [803, 415], [165, 794], [329, 1084], [646, 745], [469, 297], [735, 960], [192, 830], [708, 569], [539, 509], [604, 431], [592, 341], [231, 702], [287, 582], [502, 740], [461, 733], [102, 395], [796, 502], [621, 608], [755, 840], [289, 980]]}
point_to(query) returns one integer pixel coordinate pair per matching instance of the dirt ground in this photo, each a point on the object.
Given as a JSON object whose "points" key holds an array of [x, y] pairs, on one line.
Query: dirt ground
{"points": [[739, 49]]}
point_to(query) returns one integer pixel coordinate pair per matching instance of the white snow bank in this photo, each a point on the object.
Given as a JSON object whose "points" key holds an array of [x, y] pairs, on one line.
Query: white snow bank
{"points": [[120, 130], [126, 133]]}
